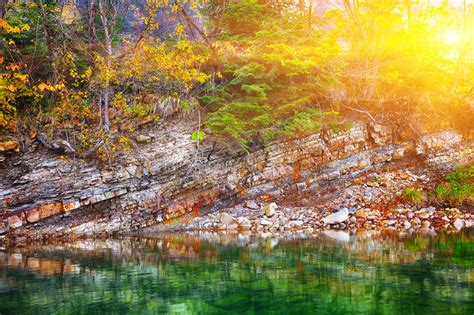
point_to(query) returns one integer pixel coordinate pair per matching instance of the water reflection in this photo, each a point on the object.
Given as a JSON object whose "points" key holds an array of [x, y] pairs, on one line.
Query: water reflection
{"points": [[41, 266], [213, 273]]}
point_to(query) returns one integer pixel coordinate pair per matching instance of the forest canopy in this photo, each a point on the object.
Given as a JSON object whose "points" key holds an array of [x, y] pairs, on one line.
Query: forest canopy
{"points": [[258, 70]]}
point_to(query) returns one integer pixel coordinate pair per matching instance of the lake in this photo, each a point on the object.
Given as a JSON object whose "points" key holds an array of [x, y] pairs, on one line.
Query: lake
{"points": [[334, 273]]}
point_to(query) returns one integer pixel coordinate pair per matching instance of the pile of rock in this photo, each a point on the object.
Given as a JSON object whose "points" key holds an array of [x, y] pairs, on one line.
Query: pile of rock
{"points": [[270, 218]]}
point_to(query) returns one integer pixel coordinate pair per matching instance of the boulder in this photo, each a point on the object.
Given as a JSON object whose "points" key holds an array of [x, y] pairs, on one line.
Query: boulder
{"points": [[245, 224], [458, 224], [143, 139], [9, 145], [270, 209], [14, 221], [424, 215], [266, 222], [131, 169], [33, 215], [427, 209], [239, 211], [338, 217], [227, 219], [297, 223], [233, 226], [252, 205], [388, 222], [406, 225]]}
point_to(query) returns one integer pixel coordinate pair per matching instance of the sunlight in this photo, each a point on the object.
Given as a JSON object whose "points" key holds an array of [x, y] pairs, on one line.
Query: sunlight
{"points": [[451, 37]]}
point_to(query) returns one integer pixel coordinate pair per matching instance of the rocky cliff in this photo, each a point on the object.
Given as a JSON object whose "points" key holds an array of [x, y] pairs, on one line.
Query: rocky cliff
{"points": [[42, 194]]}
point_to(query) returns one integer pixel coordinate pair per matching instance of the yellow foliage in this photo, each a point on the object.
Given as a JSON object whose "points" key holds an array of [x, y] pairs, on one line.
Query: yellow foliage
{"points": [[12, 29], [157, 63], [50, 87]]}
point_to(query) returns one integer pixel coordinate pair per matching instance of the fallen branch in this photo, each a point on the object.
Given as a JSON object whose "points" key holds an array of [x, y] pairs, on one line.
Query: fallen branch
{"points": [[64, 147], [361, 111]]}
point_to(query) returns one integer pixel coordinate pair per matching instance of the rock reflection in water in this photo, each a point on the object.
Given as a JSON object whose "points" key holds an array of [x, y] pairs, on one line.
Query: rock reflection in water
{"points": [[216, 273], [42, 266]]}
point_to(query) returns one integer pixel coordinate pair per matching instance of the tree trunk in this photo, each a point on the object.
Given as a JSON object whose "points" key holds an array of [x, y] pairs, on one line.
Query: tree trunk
{"points": [[310, 15], [106, 125], [3, 8], [90, 22], [201, 32], [108, 51]]}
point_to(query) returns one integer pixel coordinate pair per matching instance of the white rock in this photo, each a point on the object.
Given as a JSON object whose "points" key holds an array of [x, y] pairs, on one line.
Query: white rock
{"points": [[266, 222], [424, 215], [143, 139], [406, 225], [338, 217], [226, 218], [296, 223], [252, 205], [233, 226], [270, 209], [458, 224], [428, 209], [243, 221]]}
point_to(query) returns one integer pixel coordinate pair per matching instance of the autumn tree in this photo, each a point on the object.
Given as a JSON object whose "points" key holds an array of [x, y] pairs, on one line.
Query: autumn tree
{"points": [[263, 70], [407, 63]]}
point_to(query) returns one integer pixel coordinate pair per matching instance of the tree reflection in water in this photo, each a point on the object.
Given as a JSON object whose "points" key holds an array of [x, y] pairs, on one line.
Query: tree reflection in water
{"points": [[212, 273]]}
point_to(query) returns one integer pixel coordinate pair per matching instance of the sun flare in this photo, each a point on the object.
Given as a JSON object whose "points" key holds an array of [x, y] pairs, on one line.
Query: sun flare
{"points": [[452, 37]]}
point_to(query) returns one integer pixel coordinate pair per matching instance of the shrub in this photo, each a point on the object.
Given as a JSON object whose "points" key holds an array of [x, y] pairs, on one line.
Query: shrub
{"points": [[458, 186], [413, 195]]}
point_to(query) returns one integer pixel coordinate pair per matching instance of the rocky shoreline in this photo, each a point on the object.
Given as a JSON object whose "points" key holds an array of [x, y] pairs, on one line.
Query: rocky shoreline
{"points": [[286, 221], [361, 171], [371, 203]]}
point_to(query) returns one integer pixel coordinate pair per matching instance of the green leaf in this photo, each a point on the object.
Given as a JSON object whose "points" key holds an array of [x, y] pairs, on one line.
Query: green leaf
{"points": [[185, 104], [197, 136]]}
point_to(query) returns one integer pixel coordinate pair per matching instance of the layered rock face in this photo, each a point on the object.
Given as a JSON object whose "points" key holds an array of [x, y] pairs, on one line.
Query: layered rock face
{"points": [[42, 194]]}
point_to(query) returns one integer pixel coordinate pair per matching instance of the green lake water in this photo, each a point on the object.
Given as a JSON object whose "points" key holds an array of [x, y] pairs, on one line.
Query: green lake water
{"points": [[332, 274]]}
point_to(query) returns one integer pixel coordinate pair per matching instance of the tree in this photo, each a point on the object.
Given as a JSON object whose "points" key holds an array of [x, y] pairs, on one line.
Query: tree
{"points": [[276, 72], [400, 63], [110, 13]]}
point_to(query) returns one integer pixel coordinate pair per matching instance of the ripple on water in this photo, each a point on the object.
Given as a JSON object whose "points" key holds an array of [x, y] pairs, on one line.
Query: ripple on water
{"points": [[336, 273]]}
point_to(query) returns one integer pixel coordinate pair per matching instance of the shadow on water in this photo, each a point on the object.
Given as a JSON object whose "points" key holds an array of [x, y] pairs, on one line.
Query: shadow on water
{"points": [[331, 274]]}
